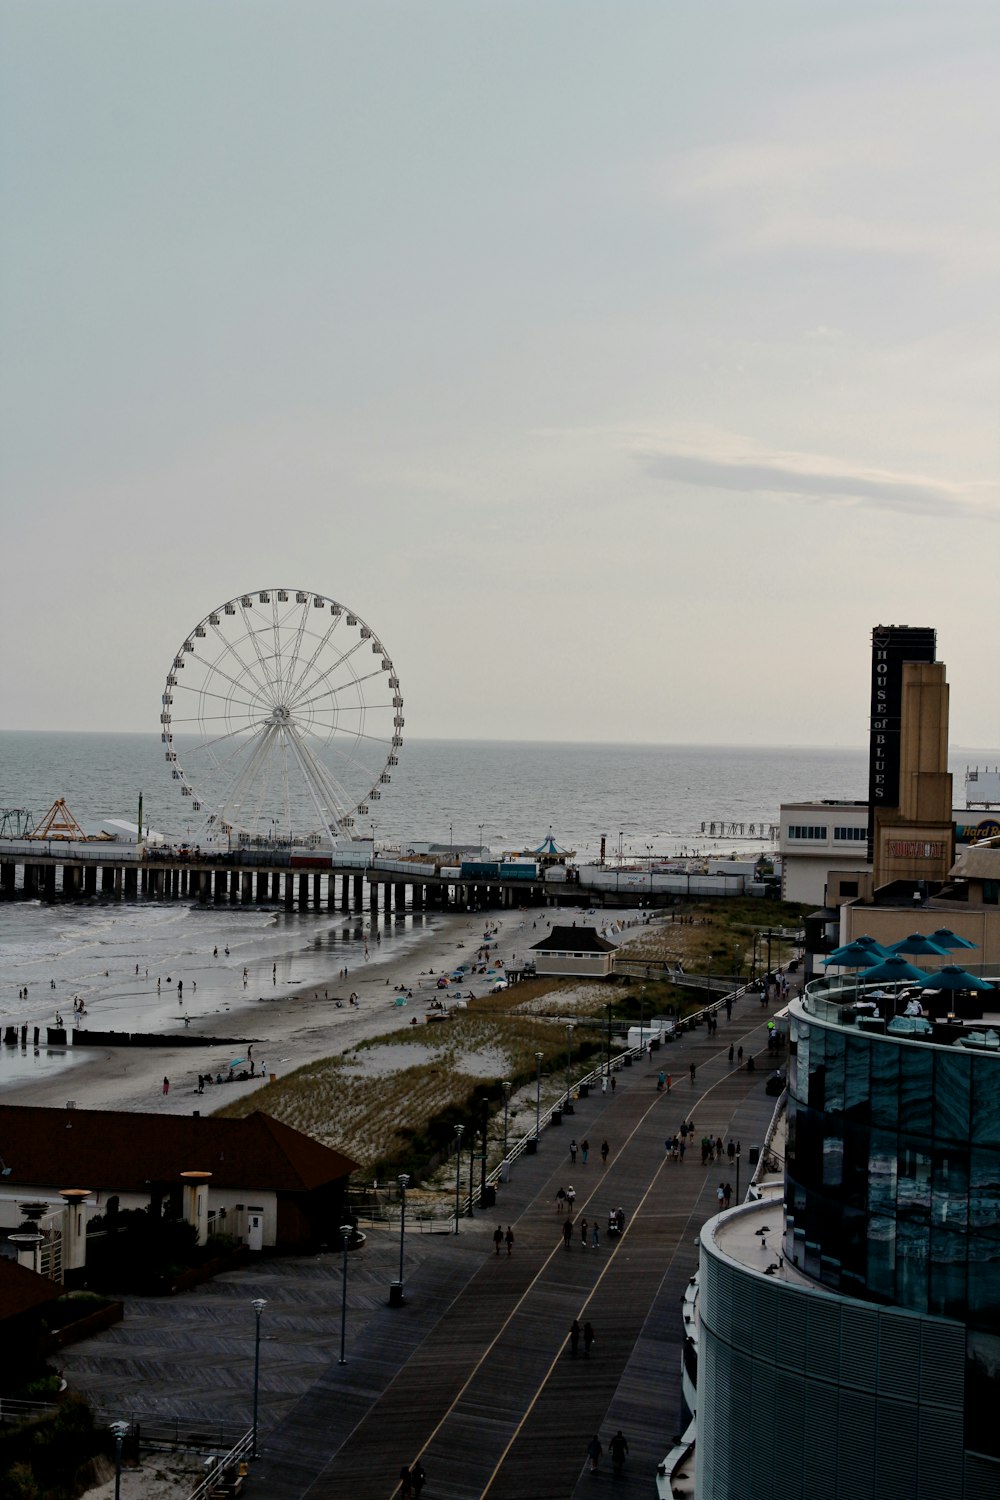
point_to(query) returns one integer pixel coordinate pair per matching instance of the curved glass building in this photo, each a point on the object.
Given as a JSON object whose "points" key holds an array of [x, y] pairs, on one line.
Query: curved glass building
{"points": [[865, 1315]]}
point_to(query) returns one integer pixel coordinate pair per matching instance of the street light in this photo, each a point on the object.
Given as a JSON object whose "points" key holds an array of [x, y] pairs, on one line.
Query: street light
{"points": [[458, 1169], [345, 1232], [737, 1172], [642, 1015], [404, 1183], [506, 1102], [451, 836], [569, 1054], [621, 856], [119, 1431], [538, 1093], [258, 1304], [481, 827], [374, 826], [607, 1069]]}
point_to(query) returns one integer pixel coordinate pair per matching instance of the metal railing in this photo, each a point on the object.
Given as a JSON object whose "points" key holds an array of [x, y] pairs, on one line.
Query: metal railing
{"points": [[231, 1460]]}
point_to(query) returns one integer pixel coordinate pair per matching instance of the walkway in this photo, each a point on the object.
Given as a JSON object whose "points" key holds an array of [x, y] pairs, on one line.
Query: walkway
{"points": [[473, 1375]]}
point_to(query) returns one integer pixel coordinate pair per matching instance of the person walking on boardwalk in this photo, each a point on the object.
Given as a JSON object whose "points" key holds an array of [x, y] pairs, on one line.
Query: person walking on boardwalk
{"points": [[572, 1151], [509, 1239], [732, 1053], [574, 1338], [739, 1055], [583, 1234], [498, 1237], [418, 1478], [661, 1080], [589, 1339], [618, 1447], [584, 1151], [567, 1232], [594, 1451], [692, 1070], [595, 1238], [405, 1483], [605, 1148], [570, 1199]]}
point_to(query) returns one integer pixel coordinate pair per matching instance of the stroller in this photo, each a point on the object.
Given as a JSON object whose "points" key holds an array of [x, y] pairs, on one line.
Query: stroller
{"points": [[616, 1222]]}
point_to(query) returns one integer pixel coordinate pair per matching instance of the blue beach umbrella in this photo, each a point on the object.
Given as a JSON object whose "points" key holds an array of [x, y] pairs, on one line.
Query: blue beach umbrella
{"points": [[945, 938], [919, 946], [951, 977], [892, 968]]}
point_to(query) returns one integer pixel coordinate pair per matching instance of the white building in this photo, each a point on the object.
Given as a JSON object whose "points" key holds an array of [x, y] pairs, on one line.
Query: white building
{"points": [[818, 838]]}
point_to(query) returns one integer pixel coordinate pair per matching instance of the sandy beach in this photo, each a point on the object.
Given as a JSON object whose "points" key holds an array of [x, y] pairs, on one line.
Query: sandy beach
{"points": [[286, 1023]]}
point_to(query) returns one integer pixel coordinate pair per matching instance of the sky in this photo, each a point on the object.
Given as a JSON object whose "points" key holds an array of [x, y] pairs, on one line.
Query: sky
{"points": [[621, 364]]}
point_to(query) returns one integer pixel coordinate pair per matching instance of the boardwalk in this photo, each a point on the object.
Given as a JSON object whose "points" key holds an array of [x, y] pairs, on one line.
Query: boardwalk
{"points": [[473, 1375]]}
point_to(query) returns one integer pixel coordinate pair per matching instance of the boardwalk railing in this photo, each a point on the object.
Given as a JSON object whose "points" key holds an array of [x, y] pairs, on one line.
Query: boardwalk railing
{"points": [[231, 1461]]}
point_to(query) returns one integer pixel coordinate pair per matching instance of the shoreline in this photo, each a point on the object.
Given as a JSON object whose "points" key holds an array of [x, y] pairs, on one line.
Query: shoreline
{"points": [[292, 1027]]}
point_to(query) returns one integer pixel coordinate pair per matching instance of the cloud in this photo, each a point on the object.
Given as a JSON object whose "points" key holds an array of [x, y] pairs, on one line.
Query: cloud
{"points": [[820, 479]]}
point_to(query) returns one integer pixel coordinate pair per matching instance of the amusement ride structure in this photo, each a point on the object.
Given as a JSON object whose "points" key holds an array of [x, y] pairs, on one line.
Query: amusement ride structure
{"points": [[281, 720]]}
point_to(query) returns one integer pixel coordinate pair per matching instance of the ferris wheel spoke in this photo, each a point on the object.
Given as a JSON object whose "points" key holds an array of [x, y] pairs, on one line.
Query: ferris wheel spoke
{"points": [[332, 692], [294, 677], [328, 795], [213, 668], [295, 654], [326, 676], [231, 804], [229, 649], [203, 693], [253, 630]]}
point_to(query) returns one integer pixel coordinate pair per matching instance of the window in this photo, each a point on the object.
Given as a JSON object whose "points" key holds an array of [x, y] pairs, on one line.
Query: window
{"points": [[805, 831], [850, 835]]}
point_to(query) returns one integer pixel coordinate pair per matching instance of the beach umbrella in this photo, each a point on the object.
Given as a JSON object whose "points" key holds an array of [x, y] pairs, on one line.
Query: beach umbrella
{"points": [[945, 938], [919, 946], [855, 956], [951, 977], [891, 968]]}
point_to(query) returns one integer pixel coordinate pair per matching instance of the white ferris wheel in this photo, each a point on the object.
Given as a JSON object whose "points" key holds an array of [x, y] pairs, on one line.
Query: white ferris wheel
{"points": [[282, 719]]}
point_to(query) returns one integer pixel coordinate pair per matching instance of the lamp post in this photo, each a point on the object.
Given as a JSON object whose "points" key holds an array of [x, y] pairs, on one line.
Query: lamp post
{"points": [[345, 1234], [642, 1015], [481, 827], [506, 1104], [258, 1304], [621, 856], [374, 826], [119, 1431], [458, 1169], [538, 1093], [737, 1174], [404, 1183], [569, 1055], [451, 837], [607, 1067]]}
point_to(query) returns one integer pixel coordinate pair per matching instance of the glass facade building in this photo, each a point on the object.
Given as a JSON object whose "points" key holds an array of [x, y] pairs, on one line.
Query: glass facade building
{"points": [[893, 1181]]}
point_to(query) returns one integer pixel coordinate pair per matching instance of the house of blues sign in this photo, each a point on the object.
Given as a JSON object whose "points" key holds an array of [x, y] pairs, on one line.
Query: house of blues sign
{"points": [[892, 645]]}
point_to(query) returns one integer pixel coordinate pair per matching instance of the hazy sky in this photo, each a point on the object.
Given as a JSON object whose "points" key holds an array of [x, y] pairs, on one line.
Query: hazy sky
{"points": [[622, 364]]}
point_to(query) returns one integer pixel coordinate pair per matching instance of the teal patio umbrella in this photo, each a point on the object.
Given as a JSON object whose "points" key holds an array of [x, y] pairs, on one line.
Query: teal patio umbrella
{"points": [[856, 955], [891, 968], [951, 977], [919, 946], [945, 938]]}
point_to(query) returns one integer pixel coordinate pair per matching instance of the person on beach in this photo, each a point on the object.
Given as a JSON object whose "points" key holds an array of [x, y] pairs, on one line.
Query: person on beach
{"points": [[166, 1085]]}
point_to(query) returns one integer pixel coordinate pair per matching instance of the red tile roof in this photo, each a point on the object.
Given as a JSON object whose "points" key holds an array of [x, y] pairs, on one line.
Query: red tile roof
{"points": [[112, 1150]]}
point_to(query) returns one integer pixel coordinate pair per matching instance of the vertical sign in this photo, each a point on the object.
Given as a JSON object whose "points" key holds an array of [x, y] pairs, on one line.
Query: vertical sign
{"points": [[892, 645]]}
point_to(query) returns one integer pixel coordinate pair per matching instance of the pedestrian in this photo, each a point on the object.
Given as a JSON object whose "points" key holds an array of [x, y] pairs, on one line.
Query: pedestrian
{"points": [[561, 1200], [618, 1447], [572, 1151], [739, 1055], [584, 1151], [727, 1194], [166, 1085], [604, 1084], [574, 1338], [613, 1083], [498, 1237], [509, 1239], [596, 1236], [567, 1232], [732, 1052], [692, 1070], [405, 1483], [594, 1451], [418, 1478], [720, 1196], [589, 1339], [583, 1234], [718, 1147], [661, 1080], [605, 1148], [570, 1199]]}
